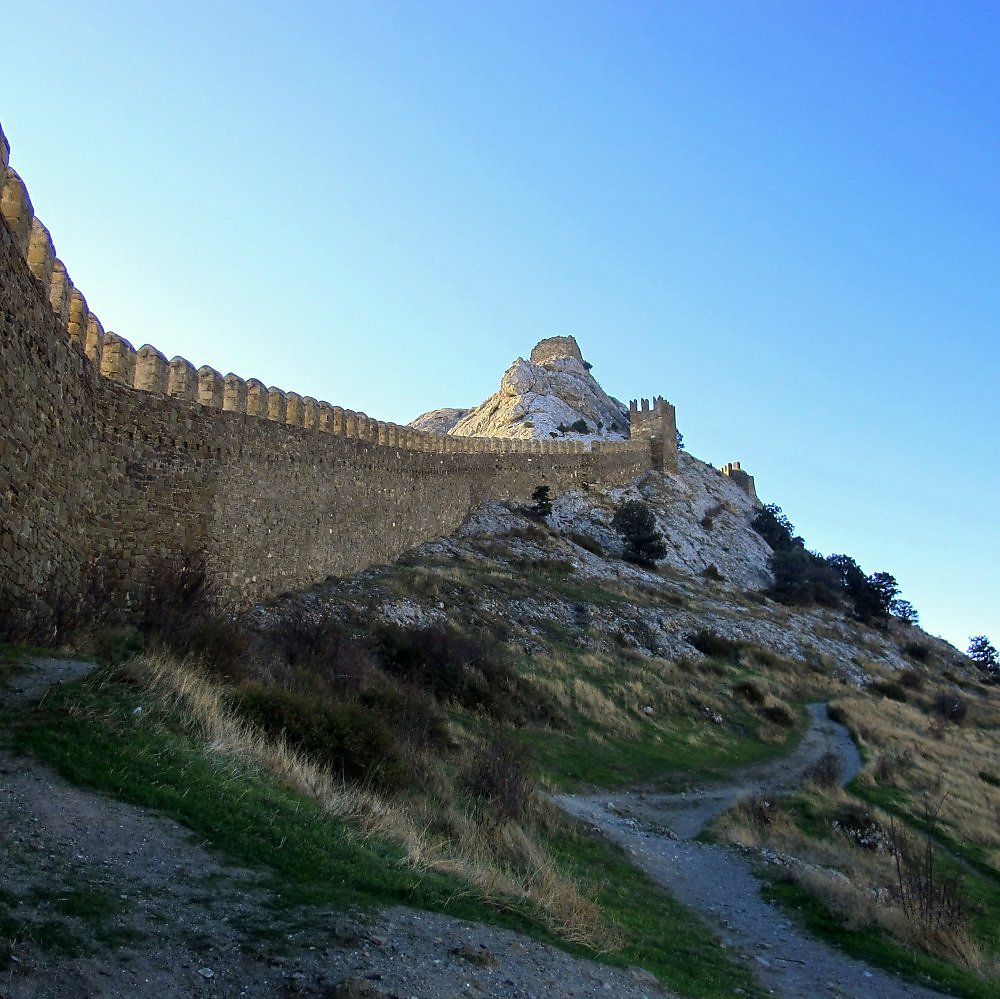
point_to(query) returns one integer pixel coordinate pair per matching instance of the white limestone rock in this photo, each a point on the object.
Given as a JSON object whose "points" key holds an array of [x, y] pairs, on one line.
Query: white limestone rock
{"points": [[554, 388], [439, 421]]}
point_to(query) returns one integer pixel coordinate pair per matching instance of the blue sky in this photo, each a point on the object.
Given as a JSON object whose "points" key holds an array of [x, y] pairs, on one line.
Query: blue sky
{"points": [[783, 216]]}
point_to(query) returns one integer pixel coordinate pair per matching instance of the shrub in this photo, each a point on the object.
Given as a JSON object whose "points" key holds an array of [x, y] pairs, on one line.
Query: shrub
{"points": [[586, 542], [911, 679], [498, 775], [778, 714], [891, 689], [350, 738], [917, 650], [641, 541], [750, 692], [711, 644], [950, 707], [825, 772]]}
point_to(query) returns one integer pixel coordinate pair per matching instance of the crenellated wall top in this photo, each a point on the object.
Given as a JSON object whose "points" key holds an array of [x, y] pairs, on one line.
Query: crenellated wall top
{"points": [[148, 370]]}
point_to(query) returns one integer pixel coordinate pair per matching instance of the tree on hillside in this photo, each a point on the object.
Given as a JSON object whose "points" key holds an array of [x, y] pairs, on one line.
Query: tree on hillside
{"points": [[775, 528], [642, 542], [883, 590], [983, 653], [542, 506], [905, 611]]}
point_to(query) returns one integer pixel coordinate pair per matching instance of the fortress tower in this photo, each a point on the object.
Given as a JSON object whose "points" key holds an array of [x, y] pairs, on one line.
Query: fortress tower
{"points": [[658, 425]]}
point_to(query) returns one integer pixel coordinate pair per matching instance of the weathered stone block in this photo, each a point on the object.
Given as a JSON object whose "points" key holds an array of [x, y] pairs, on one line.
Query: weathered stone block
{"points": [[118, 359], [182, 380], [256, 398], [76, 325], [94, 344], [152, 370], [234, 394], [15, 206], [275, 404], [210, 387], [293, 409], [41, 255], [60, 291]]}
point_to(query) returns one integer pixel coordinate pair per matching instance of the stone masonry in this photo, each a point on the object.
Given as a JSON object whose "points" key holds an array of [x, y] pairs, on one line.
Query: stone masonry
{"points": [[119, 464]]}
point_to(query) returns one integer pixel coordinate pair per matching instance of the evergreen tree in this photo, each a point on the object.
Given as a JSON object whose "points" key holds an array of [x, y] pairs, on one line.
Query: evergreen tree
{"points": [[542, 506], [642, 542]]}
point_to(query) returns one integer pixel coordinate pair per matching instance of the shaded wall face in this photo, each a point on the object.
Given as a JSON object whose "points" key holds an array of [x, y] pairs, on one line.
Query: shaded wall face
{"points": [[96, 478]]}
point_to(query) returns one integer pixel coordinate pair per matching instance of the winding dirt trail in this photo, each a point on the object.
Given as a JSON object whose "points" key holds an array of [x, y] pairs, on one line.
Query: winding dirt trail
{"points": [[657, 831], [183, 923]]}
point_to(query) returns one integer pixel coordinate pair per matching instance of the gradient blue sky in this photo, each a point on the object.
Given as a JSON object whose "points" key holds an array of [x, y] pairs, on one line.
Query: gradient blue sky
{"points": [[783, 216]]}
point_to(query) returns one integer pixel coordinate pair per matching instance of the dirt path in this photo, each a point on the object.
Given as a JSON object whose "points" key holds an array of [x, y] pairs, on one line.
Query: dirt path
{"points": [[99, 898], [718, 882]]}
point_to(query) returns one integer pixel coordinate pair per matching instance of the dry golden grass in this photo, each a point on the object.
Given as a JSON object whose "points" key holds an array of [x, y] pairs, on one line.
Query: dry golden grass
{"points": [[858, 883], [499, 861], [940, 767], [912, 750]]}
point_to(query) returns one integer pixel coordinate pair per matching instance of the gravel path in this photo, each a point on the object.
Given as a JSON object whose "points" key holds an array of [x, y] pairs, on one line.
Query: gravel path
{"points": [[173, 921], [718, 882]]}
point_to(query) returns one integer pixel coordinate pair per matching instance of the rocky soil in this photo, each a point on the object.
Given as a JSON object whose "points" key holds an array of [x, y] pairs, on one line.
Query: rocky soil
{"points": [[99, 898], [176, 921]]}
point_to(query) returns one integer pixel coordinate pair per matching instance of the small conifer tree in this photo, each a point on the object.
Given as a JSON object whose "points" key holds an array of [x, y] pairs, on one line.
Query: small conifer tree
{"points": [[542, 505], [642, 542]]}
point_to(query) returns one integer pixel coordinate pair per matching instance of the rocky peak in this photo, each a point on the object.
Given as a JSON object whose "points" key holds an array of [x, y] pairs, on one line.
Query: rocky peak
{"points": [[555, 348], [551, 396]]}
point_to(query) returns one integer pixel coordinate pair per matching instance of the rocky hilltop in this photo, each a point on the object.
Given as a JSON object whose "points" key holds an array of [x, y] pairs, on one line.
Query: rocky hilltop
{"points": [[552, 395]]}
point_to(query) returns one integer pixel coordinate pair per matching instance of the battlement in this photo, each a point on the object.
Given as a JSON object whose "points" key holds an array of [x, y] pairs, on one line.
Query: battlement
{"points": [[121, 461], [741, 478], [148, 370], [656, 423]]}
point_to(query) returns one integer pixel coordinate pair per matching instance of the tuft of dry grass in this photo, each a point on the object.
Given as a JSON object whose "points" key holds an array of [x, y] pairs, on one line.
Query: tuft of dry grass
{"points": [[501, 861]]}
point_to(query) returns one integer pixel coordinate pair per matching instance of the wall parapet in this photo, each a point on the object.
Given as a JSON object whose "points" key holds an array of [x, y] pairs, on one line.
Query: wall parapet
{"points": [[118, 455]]}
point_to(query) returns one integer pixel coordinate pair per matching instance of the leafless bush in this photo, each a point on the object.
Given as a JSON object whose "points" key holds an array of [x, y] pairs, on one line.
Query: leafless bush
{"points": [[825, 772], [499, 776], [936, 907], [888, 766]]}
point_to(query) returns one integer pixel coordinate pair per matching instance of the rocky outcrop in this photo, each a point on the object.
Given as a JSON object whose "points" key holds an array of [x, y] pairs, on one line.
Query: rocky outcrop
{"points": [[439, 421], [551, 396]]}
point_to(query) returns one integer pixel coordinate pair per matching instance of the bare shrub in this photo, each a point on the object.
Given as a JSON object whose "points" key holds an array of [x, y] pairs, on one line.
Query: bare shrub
{"points": [[499, 776], [936, 907], [950, 707], [825, 772], [888, 766]]}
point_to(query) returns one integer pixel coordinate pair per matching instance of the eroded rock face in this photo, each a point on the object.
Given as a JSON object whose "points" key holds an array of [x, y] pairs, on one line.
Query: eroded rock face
{"points": [[536, 397], [439, 421]]}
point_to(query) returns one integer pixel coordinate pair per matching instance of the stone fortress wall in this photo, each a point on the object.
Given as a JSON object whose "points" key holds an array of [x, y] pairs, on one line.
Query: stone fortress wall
{"points": [[120, 463]]}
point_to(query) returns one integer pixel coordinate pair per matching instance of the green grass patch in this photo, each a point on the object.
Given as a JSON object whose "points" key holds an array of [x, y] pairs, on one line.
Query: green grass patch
{"points": [[875, 947], [675, 754], [663, 936], [89, 733]]}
